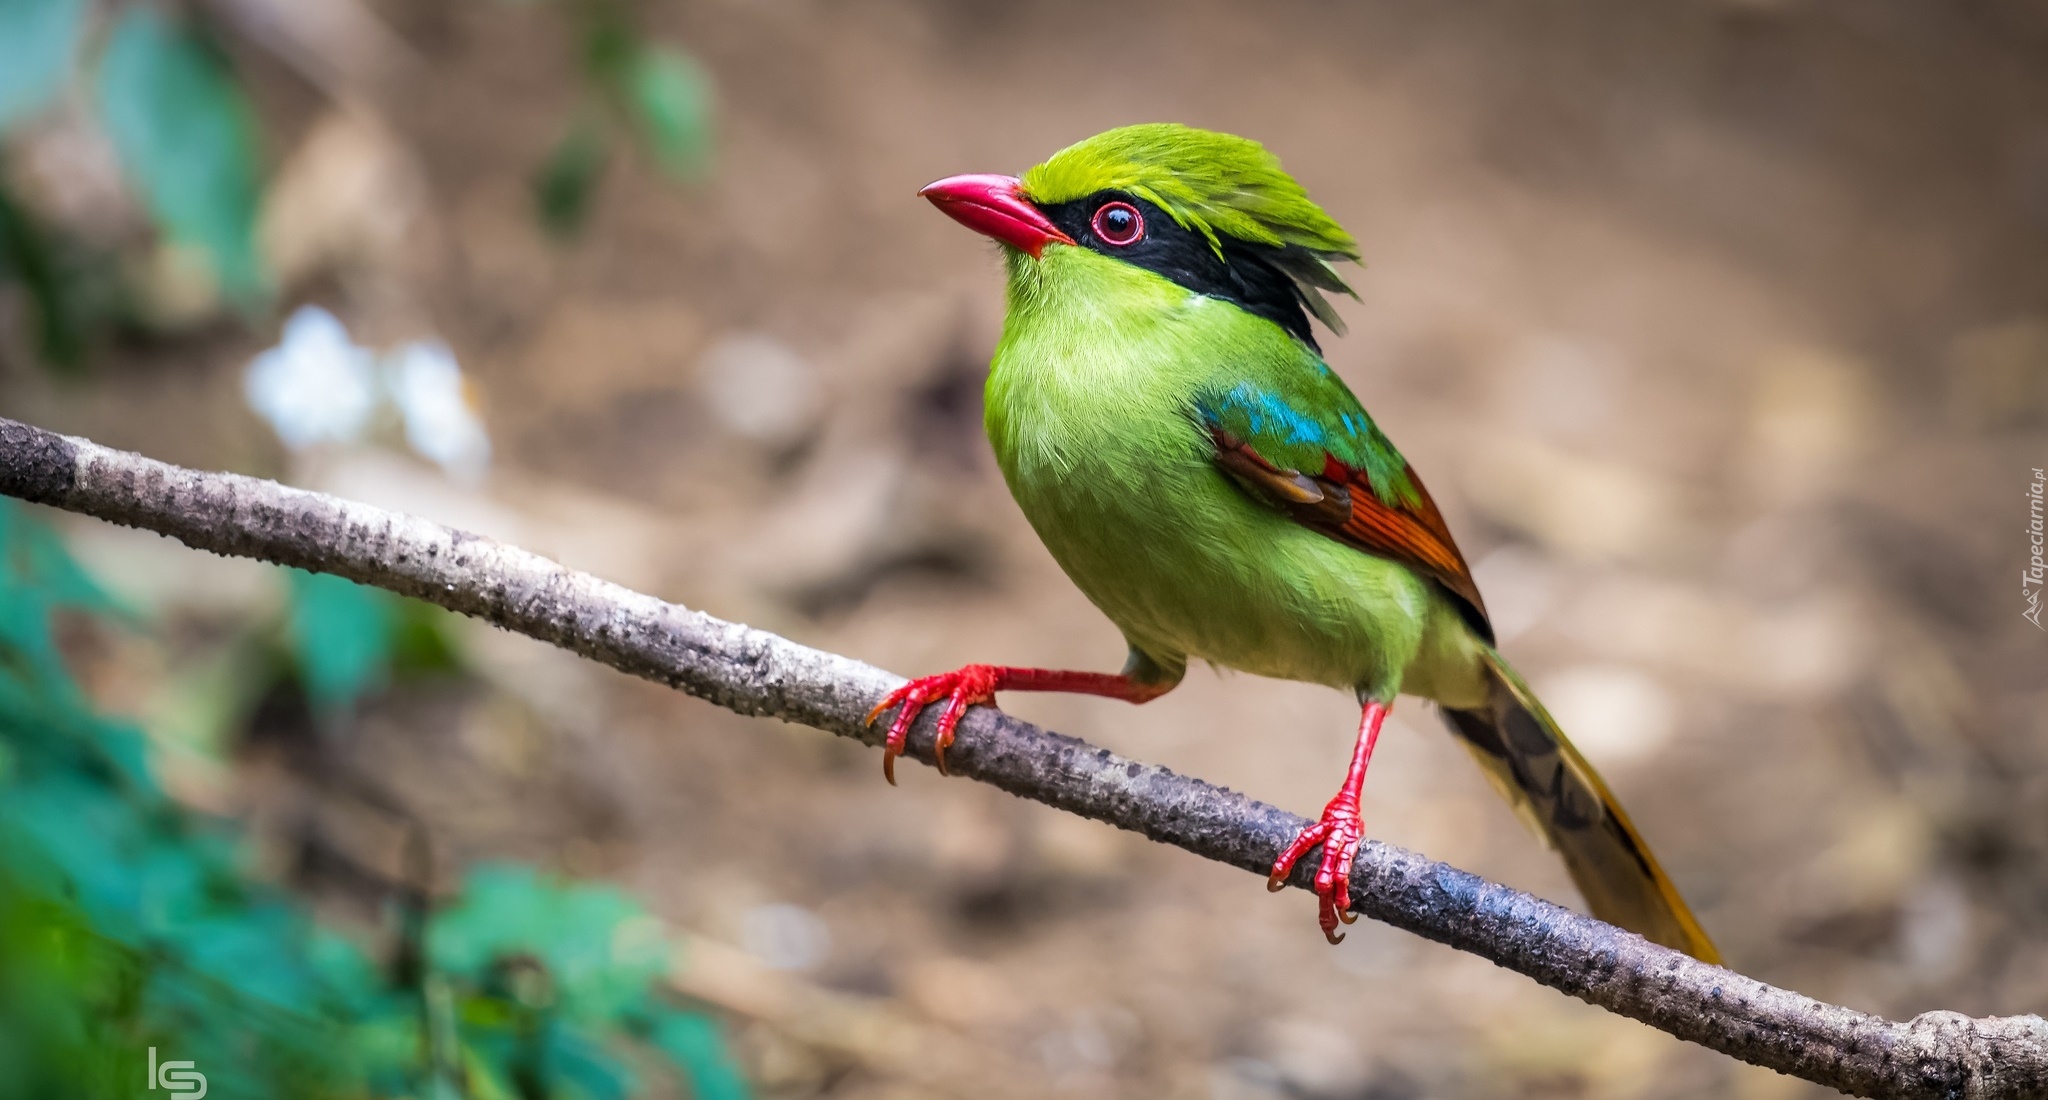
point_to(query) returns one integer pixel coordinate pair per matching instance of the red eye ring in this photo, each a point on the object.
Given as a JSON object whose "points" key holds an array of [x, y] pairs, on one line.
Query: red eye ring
{"points": [[1118, 224]]}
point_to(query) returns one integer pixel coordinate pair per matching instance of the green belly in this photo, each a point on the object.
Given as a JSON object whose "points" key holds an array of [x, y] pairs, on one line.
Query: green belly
{"points": [[1187, 565]]}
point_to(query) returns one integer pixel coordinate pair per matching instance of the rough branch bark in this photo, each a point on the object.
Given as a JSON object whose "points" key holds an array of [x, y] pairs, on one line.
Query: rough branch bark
{"points": [[1937, 1054]]}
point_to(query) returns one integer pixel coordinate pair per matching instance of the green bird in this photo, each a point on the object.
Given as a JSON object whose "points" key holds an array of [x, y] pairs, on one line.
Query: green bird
{"points": [[1164, 417]]}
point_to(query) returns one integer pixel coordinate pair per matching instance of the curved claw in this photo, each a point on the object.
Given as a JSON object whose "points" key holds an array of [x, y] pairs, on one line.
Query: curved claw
{"points": [[892, 747], [956, 709], [889, 748]]}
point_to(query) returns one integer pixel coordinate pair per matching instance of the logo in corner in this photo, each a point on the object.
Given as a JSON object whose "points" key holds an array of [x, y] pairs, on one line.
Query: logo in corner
{"points": [[182, 1079]]}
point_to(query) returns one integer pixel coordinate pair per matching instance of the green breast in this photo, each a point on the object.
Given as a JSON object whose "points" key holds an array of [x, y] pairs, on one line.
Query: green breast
{"points": [[1089, 409]]}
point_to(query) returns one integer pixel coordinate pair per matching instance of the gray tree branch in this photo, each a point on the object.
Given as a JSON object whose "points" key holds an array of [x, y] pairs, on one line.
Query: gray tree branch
{"points": [[1934, 1055]]}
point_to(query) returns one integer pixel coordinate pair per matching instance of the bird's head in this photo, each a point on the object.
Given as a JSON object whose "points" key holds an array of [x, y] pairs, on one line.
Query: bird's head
{"points": [[1211, 212]]}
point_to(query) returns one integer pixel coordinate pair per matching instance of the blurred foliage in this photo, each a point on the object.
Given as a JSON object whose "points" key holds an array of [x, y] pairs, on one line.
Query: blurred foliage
{"points": [[632, 86], [127, 922], [336, 643], [182, 125], [186, 137], [671, 100], [38, 39], [347, 639], [39, 45], [563, 186]]}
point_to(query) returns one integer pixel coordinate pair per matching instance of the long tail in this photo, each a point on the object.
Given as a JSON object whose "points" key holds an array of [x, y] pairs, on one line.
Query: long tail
{"points": [[1559, 796]]}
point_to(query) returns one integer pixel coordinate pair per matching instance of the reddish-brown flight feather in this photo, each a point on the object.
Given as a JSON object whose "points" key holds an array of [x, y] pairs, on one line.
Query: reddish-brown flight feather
{"points": [[1339, 501]]}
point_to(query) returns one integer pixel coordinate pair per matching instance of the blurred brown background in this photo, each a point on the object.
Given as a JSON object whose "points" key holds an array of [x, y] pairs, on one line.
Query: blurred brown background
{"points": [[1719, 329]]}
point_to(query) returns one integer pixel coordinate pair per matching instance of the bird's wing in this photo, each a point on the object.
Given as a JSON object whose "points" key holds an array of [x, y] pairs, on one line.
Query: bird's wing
{"points": [[1304, 445]]}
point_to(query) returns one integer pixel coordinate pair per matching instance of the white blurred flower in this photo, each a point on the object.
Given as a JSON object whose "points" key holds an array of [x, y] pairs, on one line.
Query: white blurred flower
{"points": [[316, 386], [441, 420]]}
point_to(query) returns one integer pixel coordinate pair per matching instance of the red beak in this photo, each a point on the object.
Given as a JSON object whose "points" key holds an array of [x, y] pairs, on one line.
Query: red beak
{"points": [[995, 206]]}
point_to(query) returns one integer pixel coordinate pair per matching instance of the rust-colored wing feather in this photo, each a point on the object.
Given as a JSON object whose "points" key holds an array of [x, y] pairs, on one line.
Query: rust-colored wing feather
{"points": [[1339, 501]]}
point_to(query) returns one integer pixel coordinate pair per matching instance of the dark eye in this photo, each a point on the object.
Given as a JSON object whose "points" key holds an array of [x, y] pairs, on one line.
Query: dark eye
{"points": [[1119, 223]]}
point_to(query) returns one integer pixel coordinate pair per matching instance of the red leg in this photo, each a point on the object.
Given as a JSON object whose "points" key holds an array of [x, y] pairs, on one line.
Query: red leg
{"points": [[1338, 831], [972, 684]]}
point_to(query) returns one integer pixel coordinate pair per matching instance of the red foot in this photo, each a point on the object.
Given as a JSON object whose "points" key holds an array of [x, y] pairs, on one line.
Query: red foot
{"points": [[1339, 832], [961, 688]]}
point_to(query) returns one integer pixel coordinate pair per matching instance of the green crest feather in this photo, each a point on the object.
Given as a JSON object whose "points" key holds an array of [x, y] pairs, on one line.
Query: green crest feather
{"points": [[1218, 185]]}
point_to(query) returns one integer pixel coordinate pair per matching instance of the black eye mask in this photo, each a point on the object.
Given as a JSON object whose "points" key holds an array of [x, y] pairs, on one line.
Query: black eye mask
{"points": [[1245, 275]]}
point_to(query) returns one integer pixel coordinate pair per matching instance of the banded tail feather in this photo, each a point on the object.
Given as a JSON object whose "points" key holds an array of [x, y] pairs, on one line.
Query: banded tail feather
{"points": [[1528, 759]]}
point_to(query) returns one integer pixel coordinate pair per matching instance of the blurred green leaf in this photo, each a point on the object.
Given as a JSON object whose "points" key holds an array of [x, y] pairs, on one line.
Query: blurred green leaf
{"points": [[694, 1043], [37, 577], [43, 561], [567, 182], [422, 640], [484, 1080], [341, 638], [586, 1067], [38, 40], [348, 640], [599, 947], [185, 134], [669, 95], [608, 38]]}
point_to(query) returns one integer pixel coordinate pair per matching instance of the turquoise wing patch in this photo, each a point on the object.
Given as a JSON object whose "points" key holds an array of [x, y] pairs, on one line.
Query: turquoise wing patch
{"points": [[1306, 425]]}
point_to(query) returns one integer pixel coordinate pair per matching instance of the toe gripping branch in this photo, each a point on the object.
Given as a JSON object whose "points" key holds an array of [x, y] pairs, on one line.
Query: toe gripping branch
{"points": [[1339, 830], [974, 684]]}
